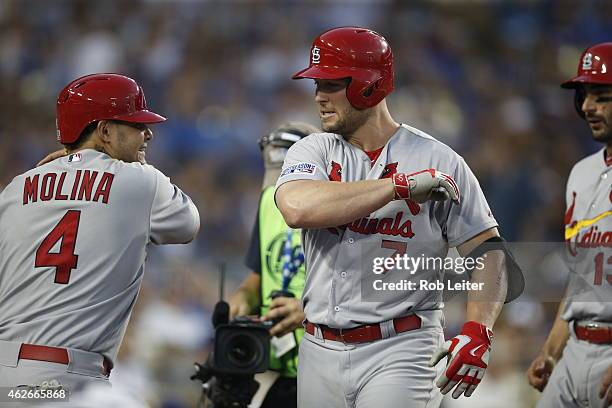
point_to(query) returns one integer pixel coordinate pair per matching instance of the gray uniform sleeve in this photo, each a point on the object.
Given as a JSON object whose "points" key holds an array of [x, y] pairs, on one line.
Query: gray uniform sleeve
{"points": [[174, 217], [305, 160], [472, 215]]}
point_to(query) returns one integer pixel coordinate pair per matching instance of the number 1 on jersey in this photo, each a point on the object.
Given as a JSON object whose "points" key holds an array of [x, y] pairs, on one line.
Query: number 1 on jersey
{"points": [[65, 260], [599, 269]]}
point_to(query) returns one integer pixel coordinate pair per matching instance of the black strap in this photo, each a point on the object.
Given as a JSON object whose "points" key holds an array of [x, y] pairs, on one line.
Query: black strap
{"points": [[516, 280]]}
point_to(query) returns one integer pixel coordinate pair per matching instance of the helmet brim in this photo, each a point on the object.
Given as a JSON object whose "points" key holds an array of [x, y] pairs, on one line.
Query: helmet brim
{"points": [[579, 80], [323, 72], [143, 116], [368, 76]]}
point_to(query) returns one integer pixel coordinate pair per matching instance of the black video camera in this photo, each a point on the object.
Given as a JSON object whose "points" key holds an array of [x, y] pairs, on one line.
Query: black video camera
{"points": [[242, 349], [242, 346]]}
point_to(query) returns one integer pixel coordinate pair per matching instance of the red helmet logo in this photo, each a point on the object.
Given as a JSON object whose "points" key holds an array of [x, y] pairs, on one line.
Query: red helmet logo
{"points": [[316, 56], [587, 61]]}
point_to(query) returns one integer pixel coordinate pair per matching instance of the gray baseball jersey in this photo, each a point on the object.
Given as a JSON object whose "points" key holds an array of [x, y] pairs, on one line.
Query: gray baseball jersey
{"points": [[73, 242], [588, 234], [337, 259]]}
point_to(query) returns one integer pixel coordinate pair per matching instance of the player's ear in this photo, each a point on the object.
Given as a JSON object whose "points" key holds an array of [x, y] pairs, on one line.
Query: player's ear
{"points": [[104, 130]]}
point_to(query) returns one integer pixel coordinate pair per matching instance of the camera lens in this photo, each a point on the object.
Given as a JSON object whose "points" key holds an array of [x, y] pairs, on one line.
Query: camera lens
{"points": [[243, 350]]}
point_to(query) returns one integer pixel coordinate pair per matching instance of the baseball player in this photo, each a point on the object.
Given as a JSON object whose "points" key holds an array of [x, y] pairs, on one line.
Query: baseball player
{"points": [[572, 364], [275, 249], [74, 234], [371, 187]]}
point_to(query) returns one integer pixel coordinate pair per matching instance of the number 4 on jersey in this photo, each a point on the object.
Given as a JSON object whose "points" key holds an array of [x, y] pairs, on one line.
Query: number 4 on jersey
{"points": [[65, 260]]}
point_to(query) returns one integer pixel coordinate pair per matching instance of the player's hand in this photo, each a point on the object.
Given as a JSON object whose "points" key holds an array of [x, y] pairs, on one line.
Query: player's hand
{"points": [[239, 305], [425, 185], [467, 359], [605, 391], [52, 156], [539, 371], [289, 310]]}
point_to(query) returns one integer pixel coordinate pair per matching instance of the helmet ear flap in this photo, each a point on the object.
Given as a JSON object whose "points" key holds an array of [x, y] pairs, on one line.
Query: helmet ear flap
{"points": [[374, 93], [375, 88], [378, 90], [365, 97]]}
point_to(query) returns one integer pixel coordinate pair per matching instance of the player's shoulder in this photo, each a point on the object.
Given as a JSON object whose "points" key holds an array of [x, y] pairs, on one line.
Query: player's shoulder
{"points": [[31, 173], [588, 165], [133, 169], [593, 160], [7, 189], [137, 175], [416, 140]]}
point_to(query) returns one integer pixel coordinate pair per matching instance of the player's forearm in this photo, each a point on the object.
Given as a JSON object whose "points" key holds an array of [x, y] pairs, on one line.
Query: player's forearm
{"points": [[248, 292], [558, 336], [251, 297], [484, 305], [321, 204]]}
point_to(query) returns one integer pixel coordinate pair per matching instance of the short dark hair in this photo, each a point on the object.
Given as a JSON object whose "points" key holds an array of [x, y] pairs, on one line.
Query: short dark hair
{"points": [[83, 137]]}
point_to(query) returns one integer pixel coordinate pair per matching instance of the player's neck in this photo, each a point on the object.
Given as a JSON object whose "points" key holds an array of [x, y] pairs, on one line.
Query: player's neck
{"points": [[376, 132], [90, 144]]}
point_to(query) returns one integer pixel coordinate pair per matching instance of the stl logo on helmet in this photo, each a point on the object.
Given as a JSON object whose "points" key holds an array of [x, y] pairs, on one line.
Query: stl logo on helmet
{"points": [[316, 57], [587, 61]]}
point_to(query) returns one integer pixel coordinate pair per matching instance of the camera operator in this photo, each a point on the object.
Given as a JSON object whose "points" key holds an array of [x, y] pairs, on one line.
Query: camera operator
{"points": [[274, 287]]}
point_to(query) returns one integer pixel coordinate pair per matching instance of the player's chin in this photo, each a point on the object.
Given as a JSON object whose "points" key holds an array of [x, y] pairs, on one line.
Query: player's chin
{"points": [[330, 125], [142, 157], [603, 135]]}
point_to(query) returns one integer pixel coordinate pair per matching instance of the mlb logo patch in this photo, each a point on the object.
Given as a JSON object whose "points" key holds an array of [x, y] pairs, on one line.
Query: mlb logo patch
{"points": [[75, 157], [300, 168]]}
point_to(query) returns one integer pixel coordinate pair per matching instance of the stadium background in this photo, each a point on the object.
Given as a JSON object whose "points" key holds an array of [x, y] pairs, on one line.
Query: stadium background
{"points": [[482, 76]]}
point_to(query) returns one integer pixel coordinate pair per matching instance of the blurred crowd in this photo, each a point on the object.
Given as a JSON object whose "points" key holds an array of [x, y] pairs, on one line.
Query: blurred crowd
{"points": [[482, 76]]}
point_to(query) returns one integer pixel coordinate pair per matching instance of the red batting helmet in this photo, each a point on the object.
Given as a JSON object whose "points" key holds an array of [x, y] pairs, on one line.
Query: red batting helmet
{"points": [[595, 67], [100, 97], [357, 53]]}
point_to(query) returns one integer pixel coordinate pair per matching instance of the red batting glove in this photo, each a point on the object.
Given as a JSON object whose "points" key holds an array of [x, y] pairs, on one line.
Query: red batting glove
{"points": [[467, 359], [425, 185]]}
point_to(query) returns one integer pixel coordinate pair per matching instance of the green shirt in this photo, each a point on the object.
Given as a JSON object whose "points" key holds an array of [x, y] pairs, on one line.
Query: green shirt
{"points": [[271, 231]]}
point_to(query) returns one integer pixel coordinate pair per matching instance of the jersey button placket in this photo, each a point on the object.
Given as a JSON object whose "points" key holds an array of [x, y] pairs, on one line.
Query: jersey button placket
{"points": [[341, 286]]}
